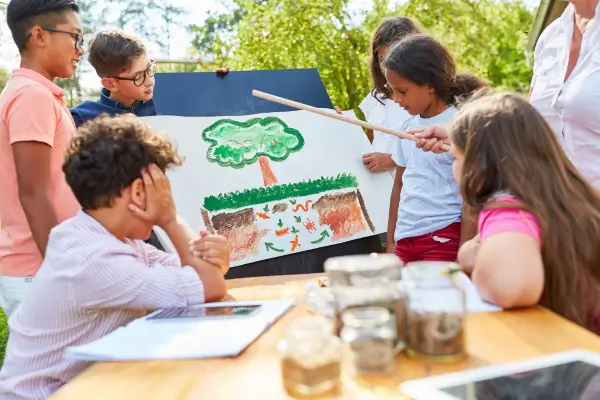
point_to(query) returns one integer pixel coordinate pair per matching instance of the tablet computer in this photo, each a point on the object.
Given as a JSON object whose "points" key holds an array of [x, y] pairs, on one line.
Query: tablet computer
{"points": [[571, 375], [207, 311]]}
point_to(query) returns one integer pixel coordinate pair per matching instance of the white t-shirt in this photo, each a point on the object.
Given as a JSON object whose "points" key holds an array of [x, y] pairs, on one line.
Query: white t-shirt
{"points": [[430, 198], [571, 107], [388, 114]]}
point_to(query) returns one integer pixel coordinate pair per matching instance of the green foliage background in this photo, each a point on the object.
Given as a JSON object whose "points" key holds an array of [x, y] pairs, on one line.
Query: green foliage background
{"points": [[487, 37]]}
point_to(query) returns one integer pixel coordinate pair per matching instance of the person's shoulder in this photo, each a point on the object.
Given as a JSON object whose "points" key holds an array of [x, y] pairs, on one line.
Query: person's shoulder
{"points": [[368, 104], [551, 36], [27, 89], [17, 98], [87, 110], [84, 105], [83, 238], [549, 33], [449, 113], [412, 122]]}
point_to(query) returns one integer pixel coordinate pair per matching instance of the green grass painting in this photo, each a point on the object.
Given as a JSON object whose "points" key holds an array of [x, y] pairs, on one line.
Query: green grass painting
{"points": [[251, 197]]}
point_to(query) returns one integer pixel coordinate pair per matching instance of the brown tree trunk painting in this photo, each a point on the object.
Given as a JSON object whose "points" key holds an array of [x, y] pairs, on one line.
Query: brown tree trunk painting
{"points": [[267, 173]]}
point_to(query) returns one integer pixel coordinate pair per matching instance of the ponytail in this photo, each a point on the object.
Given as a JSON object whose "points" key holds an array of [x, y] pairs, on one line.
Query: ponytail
{"points": [[464, 86]]}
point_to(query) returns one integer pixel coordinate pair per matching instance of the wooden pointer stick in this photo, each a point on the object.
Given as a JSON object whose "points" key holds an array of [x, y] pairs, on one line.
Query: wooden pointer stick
{"points": [[306, 107]]}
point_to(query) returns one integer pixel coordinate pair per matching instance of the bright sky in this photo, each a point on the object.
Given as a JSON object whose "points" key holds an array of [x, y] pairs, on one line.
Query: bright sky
{"points": [[196, 12]]}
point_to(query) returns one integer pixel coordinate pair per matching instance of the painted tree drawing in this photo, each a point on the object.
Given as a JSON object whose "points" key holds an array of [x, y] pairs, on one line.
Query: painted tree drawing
{"points": [[277, 219], [237, 144]]}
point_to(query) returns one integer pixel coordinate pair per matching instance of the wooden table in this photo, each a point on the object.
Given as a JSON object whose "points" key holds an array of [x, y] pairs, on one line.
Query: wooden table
{"points": [[492, 338]]}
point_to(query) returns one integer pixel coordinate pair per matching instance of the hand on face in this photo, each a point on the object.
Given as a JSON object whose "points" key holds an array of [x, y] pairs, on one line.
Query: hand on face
{"points": [[160, 207], [378, 162], [432, 138], [213, 249]]}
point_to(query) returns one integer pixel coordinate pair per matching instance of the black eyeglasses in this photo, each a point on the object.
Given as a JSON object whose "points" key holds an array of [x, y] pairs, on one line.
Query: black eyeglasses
{"points": [[79, 41], [140, 77]]}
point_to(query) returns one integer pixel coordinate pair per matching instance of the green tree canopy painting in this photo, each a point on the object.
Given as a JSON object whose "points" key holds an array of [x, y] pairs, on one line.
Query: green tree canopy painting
{"points": [[237, 144]]}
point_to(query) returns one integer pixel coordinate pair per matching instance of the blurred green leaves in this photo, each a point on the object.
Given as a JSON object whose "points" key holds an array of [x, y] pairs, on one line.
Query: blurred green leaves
{"points": [[487, 37]]}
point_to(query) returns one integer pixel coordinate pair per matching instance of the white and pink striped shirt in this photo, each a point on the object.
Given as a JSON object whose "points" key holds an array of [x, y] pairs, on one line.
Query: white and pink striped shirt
{"points": [[89, 284]]}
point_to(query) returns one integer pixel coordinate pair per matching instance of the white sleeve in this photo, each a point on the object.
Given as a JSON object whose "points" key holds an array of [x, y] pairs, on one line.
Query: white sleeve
{"points": [[397, 154], [539, 48], [366, 106]]}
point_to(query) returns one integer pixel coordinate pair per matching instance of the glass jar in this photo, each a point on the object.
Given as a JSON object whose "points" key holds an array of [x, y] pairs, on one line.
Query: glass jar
{"points": [[436, 309], [310, 357], [370, 339], [369, 281]]}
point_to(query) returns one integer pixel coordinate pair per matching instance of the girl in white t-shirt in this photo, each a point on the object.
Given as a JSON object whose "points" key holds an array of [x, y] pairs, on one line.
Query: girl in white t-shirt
{"points": [[425, 205], [378, 106]]}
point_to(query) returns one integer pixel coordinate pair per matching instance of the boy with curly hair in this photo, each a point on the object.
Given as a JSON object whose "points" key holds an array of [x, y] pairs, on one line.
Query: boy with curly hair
{"points": [[98, 274]]}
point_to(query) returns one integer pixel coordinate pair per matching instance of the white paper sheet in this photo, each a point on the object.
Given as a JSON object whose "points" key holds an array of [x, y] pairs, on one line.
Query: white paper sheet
{"points": [[183, 339], [474, 301], [307, 215]]}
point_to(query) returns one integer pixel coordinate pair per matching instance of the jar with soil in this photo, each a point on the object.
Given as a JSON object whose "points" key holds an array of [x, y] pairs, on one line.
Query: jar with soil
{"points": [[311, 357], [369, 340], [369, 281], [436, 309]]}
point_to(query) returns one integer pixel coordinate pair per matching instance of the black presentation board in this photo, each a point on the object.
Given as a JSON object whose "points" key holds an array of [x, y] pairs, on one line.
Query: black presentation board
{"points": [[201, 94]]}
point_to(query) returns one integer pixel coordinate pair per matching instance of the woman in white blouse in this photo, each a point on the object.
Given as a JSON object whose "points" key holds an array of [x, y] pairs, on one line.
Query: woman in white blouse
{"points": [[566, 83]]}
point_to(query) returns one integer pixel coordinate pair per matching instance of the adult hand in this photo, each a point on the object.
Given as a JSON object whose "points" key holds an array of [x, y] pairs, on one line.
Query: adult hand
{"points": [[160, 207], [223, 71], [432, 138], [378, 162], [338, 110]]}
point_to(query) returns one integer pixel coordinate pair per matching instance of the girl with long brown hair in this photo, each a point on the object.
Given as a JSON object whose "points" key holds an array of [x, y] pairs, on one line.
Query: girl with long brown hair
{"points": [[539, 219]]}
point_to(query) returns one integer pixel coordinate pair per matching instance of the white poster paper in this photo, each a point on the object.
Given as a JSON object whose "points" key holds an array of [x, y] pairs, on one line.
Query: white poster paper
{"points": [[276, 183]]}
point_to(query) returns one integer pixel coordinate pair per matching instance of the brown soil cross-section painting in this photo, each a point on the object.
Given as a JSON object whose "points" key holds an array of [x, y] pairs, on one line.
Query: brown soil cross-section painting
{"points": [[282, 219]]}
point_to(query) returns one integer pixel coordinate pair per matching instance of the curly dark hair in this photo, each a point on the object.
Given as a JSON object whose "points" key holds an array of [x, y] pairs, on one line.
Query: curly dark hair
{"points": [[389, 32], [109, 153], [425, 61]]}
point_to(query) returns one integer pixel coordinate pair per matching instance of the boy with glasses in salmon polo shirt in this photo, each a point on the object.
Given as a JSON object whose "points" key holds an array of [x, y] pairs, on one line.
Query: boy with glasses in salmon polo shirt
{"points": [[35, 130]]}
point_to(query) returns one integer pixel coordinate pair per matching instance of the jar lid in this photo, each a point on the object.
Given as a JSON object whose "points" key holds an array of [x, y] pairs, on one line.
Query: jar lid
{"points": [[363, 262], [431, 273], [309, 328], [363, 270], [365, 317]]}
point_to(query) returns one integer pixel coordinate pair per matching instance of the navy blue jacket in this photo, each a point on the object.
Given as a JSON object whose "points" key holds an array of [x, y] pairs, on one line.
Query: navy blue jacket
{"points": [[105, 105]]}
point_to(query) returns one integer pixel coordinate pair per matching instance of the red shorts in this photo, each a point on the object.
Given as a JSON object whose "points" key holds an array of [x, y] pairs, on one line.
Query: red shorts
{"points": [[441, 245]]}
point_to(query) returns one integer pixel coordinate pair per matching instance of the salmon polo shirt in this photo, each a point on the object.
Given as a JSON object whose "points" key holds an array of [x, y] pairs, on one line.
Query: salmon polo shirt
{"points": [[32, 108]]}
